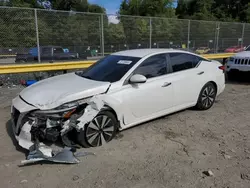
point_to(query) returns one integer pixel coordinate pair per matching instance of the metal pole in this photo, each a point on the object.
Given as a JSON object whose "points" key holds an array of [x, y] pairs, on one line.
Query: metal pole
{"points": [[243, 33], [188, 34], [100, 28], [102, 35], [150, 32], [218, 34], [215, 37], [37, 36]]}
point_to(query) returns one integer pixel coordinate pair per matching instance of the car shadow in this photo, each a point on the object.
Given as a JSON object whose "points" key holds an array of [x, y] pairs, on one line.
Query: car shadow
{"points": [[13, 139], [238, 82], [242, 78], [156, 119]]}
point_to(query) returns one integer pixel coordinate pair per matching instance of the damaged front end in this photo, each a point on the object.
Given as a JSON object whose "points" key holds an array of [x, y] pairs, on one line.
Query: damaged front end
{"points": [[34, 128]]}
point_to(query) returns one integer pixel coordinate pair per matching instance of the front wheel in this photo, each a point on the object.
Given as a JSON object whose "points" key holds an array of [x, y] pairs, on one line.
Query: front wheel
{"points": [[207, 97], [101, 129]]}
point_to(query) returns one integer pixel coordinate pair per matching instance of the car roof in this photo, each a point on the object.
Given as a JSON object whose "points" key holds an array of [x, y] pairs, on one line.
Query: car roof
{"points": [[144, 52]]}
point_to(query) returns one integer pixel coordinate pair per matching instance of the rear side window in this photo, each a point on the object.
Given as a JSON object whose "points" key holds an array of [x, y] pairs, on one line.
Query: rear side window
{"points": [[46, 51], [153, 66], [183, 61]]}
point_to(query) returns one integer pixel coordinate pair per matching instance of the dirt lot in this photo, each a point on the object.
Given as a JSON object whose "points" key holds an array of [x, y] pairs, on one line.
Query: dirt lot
{"points": [[168, 152]]}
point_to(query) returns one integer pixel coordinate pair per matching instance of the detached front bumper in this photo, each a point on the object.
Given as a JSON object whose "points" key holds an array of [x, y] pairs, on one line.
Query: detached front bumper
{"points": [[20, 125]]}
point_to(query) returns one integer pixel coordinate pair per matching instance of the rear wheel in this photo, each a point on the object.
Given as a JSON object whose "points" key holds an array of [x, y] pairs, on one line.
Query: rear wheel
{"points": [[231, 75], [101, 129], [207, 97]]}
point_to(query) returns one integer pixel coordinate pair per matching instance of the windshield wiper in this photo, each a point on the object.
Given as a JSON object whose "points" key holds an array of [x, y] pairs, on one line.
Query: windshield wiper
{"points": [[87, 77], [82, 75]]}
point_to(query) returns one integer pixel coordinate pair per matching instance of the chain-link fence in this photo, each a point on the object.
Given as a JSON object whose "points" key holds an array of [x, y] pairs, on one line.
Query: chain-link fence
{"points": [[91, 34]]}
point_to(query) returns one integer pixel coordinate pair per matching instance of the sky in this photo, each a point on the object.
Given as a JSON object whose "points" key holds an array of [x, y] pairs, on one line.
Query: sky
{"points": [[112, 7]]}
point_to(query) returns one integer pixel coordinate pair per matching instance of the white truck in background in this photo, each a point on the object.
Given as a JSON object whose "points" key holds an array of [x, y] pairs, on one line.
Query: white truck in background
{"points": [[238, 63]]}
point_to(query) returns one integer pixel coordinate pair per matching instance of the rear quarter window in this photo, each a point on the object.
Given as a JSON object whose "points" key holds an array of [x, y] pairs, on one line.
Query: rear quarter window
{"points": [[183, 61]]}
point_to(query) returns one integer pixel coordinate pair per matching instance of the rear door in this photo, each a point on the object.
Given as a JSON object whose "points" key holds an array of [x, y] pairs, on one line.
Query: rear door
{"points": [[187, 78], [46, 53]]}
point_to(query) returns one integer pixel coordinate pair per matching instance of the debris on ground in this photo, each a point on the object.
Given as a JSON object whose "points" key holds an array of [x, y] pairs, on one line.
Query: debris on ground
{"points": [[75, 178], [24, 181], [208, 173], [245, 176], [227, 156], [45, 153], [27, 82]]}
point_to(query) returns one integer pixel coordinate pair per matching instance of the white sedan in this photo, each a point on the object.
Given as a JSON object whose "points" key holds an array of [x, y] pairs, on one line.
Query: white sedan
{"points": [[121, 90]]}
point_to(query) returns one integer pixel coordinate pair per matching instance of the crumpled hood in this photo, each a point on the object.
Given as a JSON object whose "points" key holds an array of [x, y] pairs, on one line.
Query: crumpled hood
{"points": [[243, 54], [55, 91]]}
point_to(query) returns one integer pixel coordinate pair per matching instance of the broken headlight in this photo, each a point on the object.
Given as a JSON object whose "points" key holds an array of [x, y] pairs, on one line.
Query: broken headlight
{"points": [[64, 108], [74, 103]]}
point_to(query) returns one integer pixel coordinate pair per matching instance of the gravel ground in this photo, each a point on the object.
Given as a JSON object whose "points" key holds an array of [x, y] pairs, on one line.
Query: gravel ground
{"points": [[171, 152]]}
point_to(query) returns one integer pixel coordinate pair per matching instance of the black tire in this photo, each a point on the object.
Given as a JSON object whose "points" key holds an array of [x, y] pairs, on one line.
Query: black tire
{"points": [[207, 97], [91, 137], [231, 75]]}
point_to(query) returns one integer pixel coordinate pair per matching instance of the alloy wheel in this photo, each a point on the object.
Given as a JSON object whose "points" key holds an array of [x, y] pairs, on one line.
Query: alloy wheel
{"points": [[208, 96], [100, 130]]}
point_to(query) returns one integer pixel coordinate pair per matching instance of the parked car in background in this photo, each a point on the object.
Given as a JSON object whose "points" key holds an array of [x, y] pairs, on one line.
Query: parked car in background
{"points": [[234, 49], [202, 50], [47, 53], [122, 90], [238, 63]]}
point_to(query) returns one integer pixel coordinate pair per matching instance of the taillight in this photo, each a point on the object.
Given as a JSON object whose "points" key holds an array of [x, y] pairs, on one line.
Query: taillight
{"points": [[223, 68]]}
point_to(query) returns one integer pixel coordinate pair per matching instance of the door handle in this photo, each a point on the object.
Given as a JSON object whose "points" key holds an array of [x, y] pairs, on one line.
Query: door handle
{"points": [[166, 84], [200, 73]]}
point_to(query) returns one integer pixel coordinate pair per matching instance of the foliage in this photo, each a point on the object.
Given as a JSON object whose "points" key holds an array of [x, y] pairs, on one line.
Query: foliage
{"points": [[68, 29], [223, 10], [137, 29], [77, 31]]}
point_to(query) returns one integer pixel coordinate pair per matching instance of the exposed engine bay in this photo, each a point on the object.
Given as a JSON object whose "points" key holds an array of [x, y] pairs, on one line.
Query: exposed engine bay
{"points": [[34, 128]]}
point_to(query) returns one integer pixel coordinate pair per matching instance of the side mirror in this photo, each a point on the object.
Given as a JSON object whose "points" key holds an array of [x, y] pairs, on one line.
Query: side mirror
{"points": [[137, 78]]}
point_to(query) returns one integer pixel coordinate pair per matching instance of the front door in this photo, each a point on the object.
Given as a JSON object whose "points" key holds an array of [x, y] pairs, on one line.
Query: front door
{"points": [[150, 98]]}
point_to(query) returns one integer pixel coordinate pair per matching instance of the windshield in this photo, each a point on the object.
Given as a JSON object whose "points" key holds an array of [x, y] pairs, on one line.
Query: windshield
{"points": [[110, 69]]}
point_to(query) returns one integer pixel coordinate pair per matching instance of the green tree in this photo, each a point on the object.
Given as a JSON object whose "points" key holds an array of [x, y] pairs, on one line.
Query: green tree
{"points": [[137, 29], [68, 29], [223, 10], [17, 28], [247, 13], [147, 8]]}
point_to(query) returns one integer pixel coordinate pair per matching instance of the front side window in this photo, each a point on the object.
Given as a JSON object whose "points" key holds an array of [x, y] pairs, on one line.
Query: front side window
{"points": [[153, 66], [110, 69], [58, 50], [183, 61]]}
